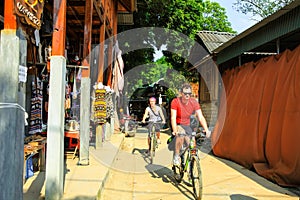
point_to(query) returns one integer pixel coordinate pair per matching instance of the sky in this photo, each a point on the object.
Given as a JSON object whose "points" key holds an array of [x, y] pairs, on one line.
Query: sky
{"points": [[239, 21]]}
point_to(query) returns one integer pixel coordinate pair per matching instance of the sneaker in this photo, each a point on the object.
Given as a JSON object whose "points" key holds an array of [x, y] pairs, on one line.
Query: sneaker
{"points": [[158, 141], [176, 160]]}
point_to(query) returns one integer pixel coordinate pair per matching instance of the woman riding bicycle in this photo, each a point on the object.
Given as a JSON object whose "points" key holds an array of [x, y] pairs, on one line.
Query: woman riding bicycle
{"points": [[155, 115], [181, 109]]}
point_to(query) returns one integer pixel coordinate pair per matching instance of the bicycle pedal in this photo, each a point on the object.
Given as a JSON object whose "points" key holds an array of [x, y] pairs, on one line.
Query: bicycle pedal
{"points": [[177, 176], [190, 183]]}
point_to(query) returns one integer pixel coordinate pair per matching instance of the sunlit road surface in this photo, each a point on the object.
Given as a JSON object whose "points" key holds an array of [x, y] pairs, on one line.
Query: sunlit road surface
{"points": [[132, 177]]}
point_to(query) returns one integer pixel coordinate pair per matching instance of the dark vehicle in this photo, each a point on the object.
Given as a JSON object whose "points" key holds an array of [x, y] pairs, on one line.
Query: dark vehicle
{"points": [[138, 101]]}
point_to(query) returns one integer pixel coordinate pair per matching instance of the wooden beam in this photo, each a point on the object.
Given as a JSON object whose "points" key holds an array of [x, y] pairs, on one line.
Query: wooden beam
{"points": [[101, 54], [128, 5], [97, 5], [113, 31], [87, 37], [76, 3], [76, 15], [10, 21], [101, 49], [110, 59], [115, 20], [59, 27]]}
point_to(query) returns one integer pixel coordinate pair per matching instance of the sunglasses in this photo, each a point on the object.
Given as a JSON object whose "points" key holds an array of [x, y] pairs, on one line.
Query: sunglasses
{"points": [[187, 93]]}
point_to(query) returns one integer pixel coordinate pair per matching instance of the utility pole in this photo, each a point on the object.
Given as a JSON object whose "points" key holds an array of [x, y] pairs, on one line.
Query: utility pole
{"points": [[12, 112]]}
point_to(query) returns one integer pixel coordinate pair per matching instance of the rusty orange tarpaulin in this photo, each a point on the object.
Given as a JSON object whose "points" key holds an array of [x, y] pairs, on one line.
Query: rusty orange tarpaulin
{"points": [[261, 120]]}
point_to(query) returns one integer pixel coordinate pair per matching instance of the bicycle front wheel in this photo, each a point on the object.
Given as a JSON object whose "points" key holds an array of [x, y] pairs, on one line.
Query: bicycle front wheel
{"points": [[196, 176]]}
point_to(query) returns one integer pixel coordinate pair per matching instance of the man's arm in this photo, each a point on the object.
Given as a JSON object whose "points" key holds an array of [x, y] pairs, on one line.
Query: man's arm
{"points": [[203, 122], [173, 121]]}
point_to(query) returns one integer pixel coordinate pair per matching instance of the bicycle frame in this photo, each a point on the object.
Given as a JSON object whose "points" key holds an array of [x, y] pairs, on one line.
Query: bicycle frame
{"points": [[188, 165], [190, 153], [153, 139]]}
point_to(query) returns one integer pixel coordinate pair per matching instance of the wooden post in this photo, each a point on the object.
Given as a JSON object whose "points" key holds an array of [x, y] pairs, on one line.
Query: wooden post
{"points": [[56, 118], [110, 61], [10, 21], [87, 37], [99, 128], [114, 26], [101, 53], [101, 49], [59, 27], [86, 87]]}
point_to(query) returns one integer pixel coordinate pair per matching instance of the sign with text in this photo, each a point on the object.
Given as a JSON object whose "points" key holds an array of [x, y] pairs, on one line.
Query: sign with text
{"points": [[22, 73], [30, 12]]}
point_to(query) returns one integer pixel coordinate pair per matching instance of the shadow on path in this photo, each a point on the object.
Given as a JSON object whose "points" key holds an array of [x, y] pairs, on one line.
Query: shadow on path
{"points": [[167, 176]]}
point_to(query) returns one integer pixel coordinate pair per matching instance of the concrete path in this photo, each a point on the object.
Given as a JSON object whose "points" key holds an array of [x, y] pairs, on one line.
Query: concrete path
{"points": [[133, 177], [222, 179], [81, 182]]}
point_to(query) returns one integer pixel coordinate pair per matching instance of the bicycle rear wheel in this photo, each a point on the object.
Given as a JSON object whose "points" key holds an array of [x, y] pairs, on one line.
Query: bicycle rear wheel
{"points": [[152, 144], [196, 176]]}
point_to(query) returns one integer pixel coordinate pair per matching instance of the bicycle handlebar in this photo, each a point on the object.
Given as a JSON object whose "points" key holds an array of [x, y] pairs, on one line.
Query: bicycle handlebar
{"points": [[151, 122], [197, 136]]}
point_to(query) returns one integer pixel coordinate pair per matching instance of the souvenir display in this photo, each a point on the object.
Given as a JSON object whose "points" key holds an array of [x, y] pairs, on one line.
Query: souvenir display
{"points": [[35, 124], [103, 108], [100, 106]]}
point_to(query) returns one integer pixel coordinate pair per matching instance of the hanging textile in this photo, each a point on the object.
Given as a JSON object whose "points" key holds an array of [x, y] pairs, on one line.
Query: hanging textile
{"points": [[74, 86], [35, 124], [118, 76], [100, 114], [103, 107]]}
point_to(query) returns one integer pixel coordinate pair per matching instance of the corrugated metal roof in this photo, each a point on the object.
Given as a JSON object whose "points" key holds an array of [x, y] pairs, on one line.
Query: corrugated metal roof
{"points": [[276, 26], [214, 39]]}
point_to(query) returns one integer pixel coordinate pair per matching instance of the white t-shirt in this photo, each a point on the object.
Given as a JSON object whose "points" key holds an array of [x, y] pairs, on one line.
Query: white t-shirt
{"points": [[154, 116]]}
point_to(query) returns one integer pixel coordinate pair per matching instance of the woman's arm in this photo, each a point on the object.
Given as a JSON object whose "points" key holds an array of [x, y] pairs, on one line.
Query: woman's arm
{"points": [[162, 116], [145, 115]]}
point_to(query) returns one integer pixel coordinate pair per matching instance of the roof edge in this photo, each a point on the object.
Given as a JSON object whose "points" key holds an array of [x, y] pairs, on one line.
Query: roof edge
{"points": [[259, 25]]}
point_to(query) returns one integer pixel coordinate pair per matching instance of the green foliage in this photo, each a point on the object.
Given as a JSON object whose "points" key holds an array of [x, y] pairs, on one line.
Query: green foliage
{"points": [[261, 8], [173, 80], [146, 74], [182, 17], [170, 94], [187, 17], [137, 58]]}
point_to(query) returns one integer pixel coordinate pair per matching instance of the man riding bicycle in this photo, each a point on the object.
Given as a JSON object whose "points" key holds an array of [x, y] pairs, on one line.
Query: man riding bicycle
{"points": [[181, 109]]}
